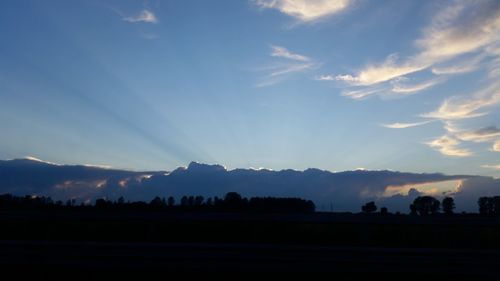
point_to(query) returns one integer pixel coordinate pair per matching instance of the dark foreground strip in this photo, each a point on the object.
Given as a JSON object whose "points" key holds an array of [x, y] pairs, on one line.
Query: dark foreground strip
{"points": [[83, 259]]}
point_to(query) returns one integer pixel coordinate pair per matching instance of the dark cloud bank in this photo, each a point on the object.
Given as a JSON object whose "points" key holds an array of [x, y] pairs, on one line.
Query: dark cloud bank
{"points": [[344, 191]]}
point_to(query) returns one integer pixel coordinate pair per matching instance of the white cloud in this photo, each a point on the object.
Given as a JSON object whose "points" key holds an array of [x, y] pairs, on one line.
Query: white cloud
{"points": [[451, 126], [453, 69], [496, 146], [282, 52], [31, 158], [401, 88], [455, 108], [494, 167], [461, 38], [449, 146], [98, 166], [324, 78], [462, 28], [292, 68], [295, 63], [461, 66], [144, 16], [404, 125], [386, 71], [487, 134], [361, 94], [305, 10]]}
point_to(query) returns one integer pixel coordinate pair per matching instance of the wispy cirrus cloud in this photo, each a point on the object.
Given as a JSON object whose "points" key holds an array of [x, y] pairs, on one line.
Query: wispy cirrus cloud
{"points": [[324, 78], [461, 38], [462, 28], [145, 15], [460, 66], [291, 63], [306, 10], [398, 125], [362, 93], [403, 88], [457, 108], [282, 52], [449, 146], [292, 69], [460, 107], [456, 69], [386, 71], [494, 167], [487, 134]]}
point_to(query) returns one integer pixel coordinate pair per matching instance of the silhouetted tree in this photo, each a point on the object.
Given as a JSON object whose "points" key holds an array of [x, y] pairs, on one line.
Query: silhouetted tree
{"points": [[171, 201], [209, 202], [486, 205], [233, 201], [426, 205], [496, 205], [369, 207], [121, 200], [156, 203], [413, 209], [198, 200], [184, 201], [191, 201], [70, 202], [100, 203], [232, 197], [383, 211], [448, 205], [217, 202]]}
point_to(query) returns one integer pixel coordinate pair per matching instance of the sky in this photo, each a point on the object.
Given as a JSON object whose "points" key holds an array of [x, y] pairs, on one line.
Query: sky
{"points": [[337, 85]]}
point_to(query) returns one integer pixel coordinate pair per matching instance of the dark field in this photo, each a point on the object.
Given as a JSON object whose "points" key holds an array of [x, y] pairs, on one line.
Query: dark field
{"points": [[94, 242]]}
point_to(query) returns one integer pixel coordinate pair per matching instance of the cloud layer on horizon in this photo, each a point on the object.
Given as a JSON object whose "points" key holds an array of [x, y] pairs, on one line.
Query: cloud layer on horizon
{"points": [[346, 191]]}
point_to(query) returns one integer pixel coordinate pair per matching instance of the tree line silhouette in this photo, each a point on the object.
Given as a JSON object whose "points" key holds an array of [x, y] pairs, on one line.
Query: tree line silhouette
{"points": [[422, 205], [234, 202], [231, 202]]}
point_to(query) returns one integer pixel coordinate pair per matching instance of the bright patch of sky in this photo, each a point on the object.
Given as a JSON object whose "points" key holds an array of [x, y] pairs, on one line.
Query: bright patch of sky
{"points": [[333, 84]]}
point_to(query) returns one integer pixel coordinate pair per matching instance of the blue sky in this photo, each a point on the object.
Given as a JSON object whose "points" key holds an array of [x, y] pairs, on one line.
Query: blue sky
{"points": [[337, 85]]}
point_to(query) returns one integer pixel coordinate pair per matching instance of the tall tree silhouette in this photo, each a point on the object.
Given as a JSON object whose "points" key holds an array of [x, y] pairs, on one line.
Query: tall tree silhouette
{"points": [[171, 201], [448, 205], [426, 205]]}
